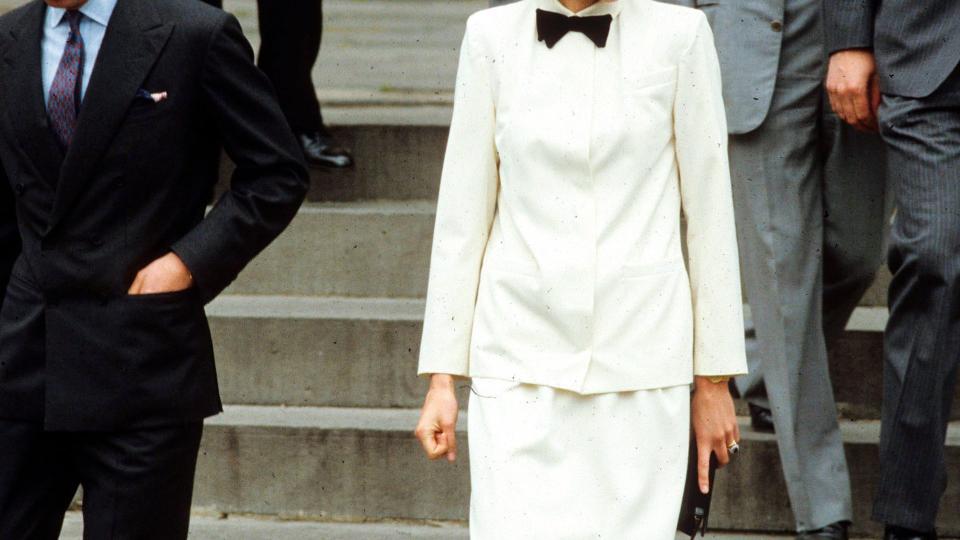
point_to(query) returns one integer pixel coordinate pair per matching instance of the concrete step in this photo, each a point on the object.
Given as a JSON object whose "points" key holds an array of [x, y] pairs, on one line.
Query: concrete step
{"points": [[229, 527], [397, 162], [370, 249], [205, 527], [335, 352], [364, 464], [361, 352], [367, 249]]}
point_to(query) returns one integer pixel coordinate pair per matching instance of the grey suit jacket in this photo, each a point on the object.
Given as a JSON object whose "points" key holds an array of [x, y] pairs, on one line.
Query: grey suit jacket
{"points": [[747, 37], [917, 43]]}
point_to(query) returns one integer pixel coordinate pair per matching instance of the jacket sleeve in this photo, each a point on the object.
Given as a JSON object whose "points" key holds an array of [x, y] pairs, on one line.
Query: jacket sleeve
{"points": [[848, 24], [10, 243], [712, 257], [465, 211], [270, 181]]}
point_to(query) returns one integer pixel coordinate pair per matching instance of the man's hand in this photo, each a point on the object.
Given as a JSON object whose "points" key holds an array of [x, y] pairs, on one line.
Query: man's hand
{"points": [[854, 88], [164, 275], [714, 425], [437, 428]]}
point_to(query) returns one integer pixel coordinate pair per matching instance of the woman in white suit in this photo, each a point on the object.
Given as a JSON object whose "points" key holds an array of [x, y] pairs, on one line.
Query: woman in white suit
{"points": [[581, 130]]}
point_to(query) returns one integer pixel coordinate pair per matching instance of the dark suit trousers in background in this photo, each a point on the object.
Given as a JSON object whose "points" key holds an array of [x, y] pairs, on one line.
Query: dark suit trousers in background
{"points": [[290, 35], [923, 333], [136, 484]]}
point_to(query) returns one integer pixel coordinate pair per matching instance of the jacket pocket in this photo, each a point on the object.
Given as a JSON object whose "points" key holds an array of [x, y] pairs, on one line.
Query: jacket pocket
{"points": [[173, 296]]}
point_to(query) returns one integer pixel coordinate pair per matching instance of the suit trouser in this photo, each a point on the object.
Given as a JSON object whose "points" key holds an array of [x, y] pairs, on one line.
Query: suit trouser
{"points": [[811, 205], [137, 485], [290, 35], [922, 344]]}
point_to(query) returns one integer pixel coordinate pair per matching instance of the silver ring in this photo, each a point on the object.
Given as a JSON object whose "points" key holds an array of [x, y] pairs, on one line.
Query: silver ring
{"points": [[733, 448]]}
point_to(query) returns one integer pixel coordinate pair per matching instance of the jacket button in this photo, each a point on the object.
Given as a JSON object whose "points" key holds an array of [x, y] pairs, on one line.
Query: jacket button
{"points": [[20, 188], [776, 26]]}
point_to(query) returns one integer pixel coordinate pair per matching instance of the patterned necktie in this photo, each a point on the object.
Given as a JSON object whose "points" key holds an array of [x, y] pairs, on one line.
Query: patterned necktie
{"points": [[64, 103]]}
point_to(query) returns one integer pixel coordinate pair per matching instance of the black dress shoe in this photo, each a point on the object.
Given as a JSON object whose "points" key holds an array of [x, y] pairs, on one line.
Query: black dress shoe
{"points": [[761, 419], [834, 531], [899, 533], [322, 151]]}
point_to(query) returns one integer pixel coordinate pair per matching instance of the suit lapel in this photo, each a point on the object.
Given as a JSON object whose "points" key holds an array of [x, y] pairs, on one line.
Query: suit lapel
{"points": [[23, 90], [134, 40]]}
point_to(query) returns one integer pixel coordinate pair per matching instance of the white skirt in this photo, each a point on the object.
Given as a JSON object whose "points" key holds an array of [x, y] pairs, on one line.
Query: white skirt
{"points": [[552, 464]]}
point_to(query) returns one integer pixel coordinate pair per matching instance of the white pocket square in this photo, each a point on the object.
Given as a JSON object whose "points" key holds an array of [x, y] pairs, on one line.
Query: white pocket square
{"points": [[155, 97]]}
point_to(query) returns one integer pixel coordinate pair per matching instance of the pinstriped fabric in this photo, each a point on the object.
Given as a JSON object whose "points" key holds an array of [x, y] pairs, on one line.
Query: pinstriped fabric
{"points": [[64, 102], [917, 44], [923, 334]]}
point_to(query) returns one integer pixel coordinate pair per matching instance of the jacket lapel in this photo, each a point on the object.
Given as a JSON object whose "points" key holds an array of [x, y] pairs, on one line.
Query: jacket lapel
{"points": [[23, 91], [134, 40]]}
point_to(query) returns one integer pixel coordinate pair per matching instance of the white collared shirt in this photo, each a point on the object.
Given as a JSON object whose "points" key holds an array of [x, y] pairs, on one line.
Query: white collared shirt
{"points": [[557, 254], [56, 30]]}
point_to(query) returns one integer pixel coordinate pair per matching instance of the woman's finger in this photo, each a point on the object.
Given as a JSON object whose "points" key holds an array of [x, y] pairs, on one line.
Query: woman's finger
{"points": [[432, 441], [439, 445], [450, 438], [427, 440], [720, 449], [703, 467]]}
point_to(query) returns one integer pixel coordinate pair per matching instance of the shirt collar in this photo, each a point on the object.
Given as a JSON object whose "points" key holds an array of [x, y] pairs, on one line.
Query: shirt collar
{"points": [[98, 11], [603, 7]]}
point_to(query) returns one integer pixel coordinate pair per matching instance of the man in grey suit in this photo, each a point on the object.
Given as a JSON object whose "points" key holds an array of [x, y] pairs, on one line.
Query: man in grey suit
{"points": [[811, 213], [898, 61]]}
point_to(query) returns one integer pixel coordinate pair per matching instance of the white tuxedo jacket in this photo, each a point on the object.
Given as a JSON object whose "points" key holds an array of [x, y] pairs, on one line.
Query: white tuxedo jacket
{"points": [[557, 254]]}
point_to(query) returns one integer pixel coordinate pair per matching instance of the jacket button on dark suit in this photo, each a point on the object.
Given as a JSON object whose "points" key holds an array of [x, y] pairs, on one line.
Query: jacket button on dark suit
{"points": [[776, 26], [20, 188]]}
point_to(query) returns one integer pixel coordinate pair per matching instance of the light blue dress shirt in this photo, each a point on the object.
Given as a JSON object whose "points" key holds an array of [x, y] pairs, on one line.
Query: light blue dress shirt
{"points": [[56, 30]]}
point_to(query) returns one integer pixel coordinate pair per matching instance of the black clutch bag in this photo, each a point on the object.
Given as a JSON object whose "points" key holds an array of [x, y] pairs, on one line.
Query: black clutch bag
{"points": [[695, 509]]}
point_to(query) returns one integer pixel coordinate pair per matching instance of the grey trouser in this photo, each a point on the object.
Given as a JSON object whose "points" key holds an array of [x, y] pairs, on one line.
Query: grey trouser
{"points": [[923, 333], [811, 214]]}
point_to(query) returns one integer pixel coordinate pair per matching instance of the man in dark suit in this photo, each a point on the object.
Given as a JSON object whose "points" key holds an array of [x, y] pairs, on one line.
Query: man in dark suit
{"points": [[895, 64], [290, 35], [113, 116]]}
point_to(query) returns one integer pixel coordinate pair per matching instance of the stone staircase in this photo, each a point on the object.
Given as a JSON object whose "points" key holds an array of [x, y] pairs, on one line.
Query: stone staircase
{"points": [[317, 347]]}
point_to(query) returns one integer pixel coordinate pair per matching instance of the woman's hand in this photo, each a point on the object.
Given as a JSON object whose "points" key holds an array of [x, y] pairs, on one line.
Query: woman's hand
{"points": [[438, 419], [714, 425]]}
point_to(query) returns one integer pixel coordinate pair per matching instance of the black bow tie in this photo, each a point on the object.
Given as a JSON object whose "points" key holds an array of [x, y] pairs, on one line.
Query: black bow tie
{"points": [[551, 27]]}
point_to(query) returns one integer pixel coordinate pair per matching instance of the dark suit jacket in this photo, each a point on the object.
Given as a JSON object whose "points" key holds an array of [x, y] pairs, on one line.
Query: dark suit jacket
{"points": [[76, 352], [916, 42]]}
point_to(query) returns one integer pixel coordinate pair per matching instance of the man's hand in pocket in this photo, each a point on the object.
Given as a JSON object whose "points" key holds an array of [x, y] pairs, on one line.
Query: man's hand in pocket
{"points": [[164, 275]]}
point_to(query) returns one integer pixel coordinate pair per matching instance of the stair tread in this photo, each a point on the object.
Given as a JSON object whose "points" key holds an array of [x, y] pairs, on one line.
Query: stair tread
{"points": [[317, 307], [379, 419], [864, 319]]}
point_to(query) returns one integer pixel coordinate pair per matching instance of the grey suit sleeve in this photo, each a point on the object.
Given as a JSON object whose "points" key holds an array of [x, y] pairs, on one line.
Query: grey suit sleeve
{"points": [[849, 23], [270, 181]]}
